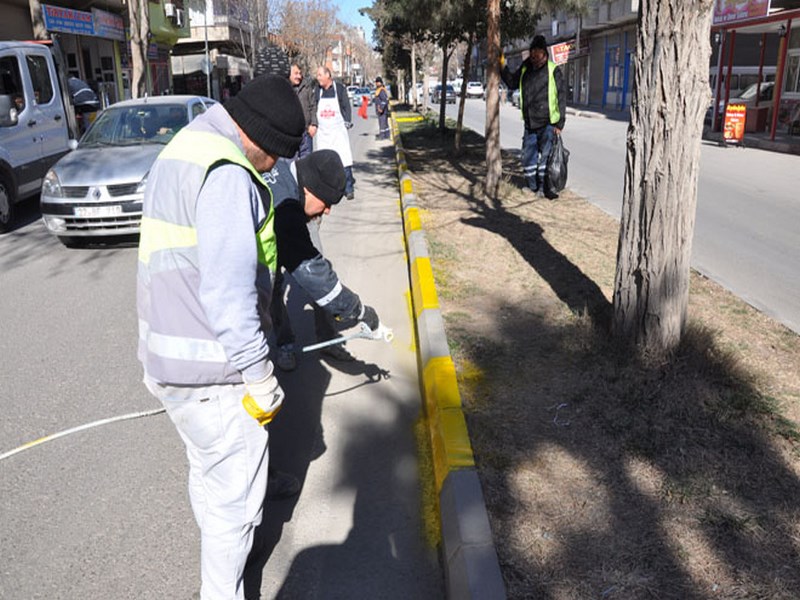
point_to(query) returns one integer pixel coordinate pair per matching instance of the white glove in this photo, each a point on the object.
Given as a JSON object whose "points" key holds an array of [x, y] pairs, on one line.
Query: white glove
{"points": [[263, 399]]}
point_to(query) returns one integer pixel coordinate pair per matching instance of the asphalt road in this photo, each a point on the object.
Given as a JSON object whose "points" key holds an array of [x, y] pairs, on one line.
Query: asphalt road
{"points": [[747, 233], [105, 514]]}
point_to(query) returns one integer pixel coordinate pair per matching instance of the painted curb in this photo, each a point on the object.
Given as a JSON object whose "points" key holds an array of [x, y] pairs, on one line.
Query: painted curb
{"points": [[472, 570]]}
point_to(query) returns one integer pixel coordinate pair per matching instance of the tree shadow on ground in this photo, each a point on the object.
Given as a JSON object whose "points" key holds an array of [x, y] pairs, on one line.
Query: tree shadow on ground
{"points": [[608, 474]]}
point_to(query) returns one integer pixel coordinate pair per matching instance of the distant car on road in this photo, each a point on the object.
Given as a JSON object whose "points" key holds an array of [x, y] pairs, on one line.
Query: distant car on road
{"points": [[474, 89], [449, 94], [748, 98], [358, 95], [351, 92], [97, 189]]}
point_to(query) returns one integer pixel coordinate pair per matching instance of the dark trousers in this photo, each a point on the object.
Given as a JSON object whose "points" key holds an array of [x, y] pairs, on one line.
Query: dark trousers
{"points": [[383, 125], [536, 147], [306, 145], [350, 181]]}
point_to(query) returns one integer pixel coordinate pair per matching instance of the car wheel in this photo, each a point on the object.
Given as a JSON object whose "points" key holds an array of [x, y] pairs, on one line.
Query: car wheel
{"points": [[6, 204]]}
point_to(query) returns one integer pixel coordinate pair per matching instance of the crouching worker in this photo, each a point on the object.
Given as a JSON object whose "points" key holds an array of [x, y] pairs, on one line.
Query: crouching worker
{"points": [[302, 191], [207, 246]]}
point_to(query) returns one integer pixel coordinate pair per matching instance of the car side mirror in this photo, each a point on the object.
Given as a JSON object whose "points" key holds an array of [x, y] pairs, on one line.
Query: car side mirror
{"points": [[8, 111], [72, 144]]}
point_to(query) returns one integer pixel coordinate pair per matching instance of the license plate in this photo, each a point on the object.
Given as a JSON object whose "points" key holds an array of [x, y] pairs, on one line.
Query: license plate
{"points": [[98, 211]]}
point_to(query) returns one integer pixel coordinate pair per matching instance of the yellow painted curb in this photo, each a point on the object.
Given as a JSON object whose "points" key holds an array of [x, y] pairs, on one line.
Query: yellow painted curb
{"points": [[450, 443], [412, 221], [409, 119], [441, 385], [423, 288], [407, 187]]}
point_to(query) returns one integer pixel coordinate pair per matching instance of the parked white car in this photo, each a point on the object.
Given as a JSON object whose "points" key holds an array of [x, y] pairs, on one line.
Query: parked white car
{"points": [[474, 89]]}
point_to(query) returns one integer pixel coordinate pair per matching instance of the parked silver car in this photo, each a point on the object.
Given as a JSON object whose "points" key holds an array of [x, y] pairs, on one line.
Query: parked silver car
{"points": [[97, 189]]}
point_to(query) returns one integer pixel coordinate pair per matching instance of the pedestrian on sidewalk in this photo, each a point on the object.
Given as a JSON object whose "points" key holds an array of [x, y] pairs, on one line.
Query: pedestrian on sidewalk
{"points": [[543, 104], [206, 247], [303, 191], [334, 119], [381, 101], [306, 89]]}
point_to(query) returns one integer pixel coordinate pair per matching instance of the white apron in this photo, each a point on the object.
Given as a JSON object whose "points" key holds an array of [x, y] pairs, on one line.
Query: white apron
{"points": [[331, 132]]}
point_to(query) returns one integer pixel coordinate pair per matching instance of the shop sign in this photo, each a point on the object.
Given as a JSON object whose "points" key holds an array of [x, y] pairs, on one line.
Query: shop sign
{"points": [[733, 11], [733, 127], [108, 25], [67, 20], [560, 52]]}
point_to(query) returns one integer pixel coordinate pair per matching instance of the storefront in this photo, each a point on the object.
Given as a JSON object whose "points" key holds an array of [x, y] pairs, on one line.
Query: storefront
{"points": [[90, 42], [779, 112]]}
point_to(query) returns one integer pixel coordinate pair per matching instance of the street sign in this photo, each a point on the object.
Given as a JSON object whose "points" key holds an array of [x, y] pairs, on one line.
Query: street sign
{"points": [[733, 127]]}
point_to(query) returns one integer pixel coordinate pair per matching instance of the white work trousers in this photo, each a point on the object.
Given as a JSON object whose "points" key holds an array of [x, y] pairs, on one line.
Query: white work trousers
{"points": [[228, 456]]}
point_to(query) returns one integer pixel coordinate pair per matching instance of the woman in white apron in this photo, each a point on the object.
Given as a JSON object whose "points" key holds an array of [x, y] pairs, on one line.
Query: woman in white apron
{"points": [[334, 118]]}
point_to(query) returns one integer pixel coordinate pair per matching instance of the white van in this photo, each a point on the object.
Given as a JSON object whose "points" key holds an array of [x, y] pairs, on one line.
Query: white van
{"points": [[33, 122]]}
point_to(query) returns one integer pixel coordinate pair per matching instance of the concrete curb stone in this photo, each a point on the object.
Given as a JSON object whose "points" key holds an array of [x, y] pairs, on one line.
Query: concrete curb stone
{"points": [[472, 570]]}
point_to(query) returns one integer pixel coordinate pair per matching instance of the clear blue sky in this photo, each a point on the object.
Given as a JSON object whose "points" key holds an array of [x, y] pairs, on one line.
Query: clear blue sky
{"points": [[348, 12]]}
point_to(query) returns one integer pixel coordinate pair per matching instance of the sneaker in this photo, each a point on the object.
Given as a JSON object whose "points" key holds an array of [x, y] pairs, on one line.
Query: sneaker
{"points": [[286, 359], [337, 352], [281, 485], [550, 194], [350, 195]]}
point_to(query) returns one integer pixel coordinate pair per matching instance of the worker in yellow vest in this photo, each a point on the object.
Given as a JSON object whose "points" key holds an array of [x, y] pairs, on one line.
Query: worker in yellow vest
{"points": [[207, 248], [543, 104]]}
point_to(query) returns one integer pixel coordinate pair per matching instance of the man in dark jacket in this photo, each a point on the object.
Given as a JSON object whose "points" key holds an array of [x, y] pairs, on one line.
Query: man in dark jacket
{"points": [[306, 89], [302, 191], [543, 103], [381, 101]]}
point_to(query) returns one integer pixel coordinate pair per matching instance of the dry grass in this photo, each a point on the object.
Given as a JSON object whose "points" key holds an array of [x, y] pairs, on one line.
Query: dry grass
{"points": [[608, 475]]}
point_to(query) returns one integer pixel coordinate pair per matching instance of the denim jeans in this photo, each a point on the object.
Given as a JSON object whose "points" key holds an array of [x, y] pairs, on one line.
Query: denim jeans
{"points": [[306, 145], [536, 146], [350, 181]]}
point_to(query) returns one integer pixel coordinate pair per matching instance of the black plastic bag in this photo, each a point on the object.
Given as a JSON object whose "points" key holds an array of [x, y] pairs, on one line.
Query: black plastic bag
{"points": [[557, 165]]}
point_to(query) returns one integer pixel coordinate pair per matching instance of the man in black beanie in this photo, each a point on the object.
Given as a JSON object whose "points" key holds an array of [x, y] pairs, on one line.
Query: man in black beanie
{"points": [[543, 103], [317, 182], [207, 247]]}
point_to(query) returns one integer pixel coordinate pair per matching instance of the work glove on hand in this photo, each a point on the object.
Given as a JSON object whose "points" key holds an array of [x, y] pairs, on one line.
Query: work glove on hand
{"points": [[263, 399], [370, 317], [348, 125]]}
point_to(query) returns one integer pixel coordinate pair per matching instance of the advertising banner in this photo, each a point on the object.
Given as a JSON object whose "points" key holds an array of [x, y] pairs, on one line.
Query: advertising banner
{"points": [[733, 127], [108, 25], [67, 20], [560, 52], [732, 11]]}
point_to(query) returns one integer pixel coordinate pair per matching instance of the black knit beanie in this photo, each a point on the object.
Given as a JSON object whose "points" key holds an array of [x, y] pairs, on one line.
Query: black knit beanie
{"points": [[322, 173], [268, 111], [271, 60], [538, 41]]}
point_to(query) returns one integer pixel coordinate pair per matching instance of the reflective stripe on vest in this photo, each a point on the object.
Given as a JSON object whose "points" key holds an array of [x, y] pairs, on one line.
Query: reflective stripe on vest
{"points": [[552, 92]]}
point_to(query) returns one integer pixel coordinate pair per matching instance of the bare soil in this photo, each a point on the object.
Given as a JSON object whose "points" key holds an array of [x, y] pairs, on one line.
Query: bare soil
{"points": [[607, 474]]}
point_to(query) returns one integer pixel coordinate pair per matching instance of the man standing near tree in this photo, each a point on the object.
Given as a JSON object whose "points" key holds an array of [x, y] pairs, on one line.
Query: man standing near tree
{"points": [[306, 90], [334, 118], [543, 103]]}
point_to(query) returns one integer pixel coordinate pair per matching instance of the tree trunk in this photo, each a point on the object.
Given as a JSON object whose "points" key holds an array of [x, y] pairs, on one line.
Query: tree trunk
{"points": [[670, 97], [443, 95], [414, 75], [37, 20], [494, 164], [139, 13], [463, 93]]}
